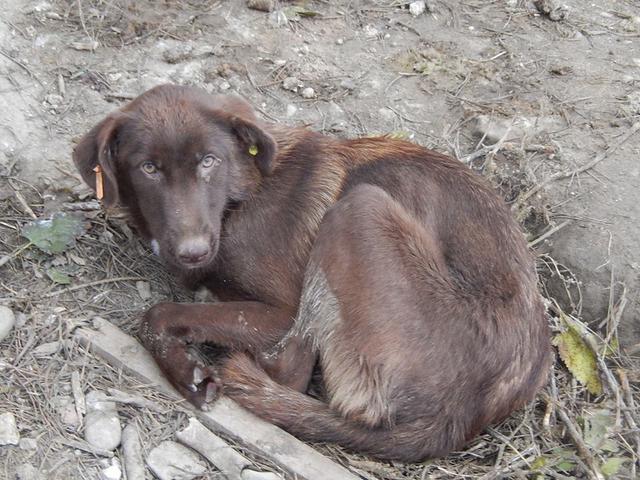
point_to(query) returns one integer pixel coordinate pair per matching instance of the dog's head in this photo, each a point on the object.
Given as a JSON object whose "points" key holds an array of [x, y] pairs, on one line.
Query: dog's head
{"points": [[176, 159]]}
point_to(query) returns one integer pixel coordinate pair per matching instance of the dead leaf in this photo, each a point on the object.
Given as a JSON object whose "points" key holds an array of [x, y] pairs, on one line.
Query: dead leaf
{"points": [[579, 358]]}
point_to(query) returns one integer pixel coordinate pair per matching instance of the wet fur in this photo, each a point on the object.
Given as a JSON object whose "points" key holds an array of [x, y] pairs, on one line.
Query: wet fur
{"points": [[394, 268]]}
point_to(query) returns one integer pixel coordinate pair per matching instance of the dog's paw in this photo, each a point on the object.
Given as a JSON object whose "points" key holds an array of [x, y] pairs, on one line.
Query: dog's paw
{"points": [[204, 388]]}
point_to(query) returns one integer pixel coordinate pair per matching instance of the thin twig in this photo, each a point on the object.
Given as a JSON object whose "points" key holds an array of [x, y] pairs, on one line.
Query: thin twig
{"points": [[583, 450], [548, 233], [93, 284]]}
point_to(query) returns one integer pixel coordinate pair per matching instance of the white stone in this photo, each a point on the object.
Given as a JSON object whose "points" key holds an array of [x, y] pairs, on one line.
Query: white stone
{"points": [[248, 474], [172, 461], [417, 8], [113, 472], [102, 425], [9, 434], [28, 444], [291, 84], [7, 322], [103, 430], [291, 110], [308, 92]]}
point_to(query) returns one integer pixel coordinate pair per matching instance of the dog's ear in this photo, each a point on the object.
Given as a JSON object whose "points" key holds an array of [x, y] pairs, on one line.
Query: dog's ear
{"points": [[255, 143], [95, 157]]}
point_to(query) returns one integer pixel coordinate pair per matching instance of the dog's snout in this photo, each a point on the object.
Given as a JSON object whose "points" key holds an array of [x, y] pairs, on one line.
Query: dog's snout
{"points": [[193, 250]]}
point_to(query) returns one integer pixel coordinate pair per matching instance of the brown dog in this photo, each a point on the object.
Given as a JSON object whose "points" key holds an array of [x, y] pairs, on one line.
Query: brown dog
{"points": [[395, 269]]}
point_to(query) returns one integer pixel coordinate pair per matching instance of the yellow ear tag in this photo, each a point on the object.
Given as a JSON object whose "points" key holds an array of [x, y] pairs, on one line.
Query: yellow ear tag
{"points": [[253, 150], [99, 184]]}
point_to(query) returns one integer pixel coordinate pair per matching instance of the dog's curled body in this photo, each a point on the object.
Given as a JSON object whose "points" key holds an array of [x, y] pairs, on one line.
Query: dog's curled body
{"points": [[394, 268]]}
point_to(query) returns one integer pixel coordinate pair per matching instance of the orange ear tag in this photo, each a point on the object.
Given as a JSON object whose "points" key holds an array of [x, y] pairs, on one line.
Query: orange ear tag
{"points": [[99, 184], [253, 150]]}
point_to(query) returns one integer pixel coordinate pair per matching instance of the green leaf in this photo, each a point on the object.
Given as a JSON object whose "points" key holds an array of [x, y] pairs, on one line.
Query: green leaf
{"points": [[538, 463], [55, 235], [58, 276], [579, 358], [611, 466]]}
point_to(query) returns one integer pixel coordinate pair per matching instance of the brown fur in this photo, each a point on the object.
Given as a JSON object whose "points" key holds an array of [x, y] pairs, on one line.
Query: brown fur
{"points": [[394, 268]]}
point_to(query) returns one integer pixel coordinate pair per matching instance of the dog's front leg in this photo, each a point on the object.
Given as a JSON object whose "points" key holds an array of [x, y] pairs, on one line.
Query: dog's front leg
{"points": [[168, 329]]}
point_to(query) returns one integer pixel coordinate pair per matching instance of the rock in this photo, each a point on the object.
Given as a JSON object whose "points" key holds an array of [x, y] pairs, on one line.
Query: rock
{"points": [[551, 9], [248, 474], [308, 92], [339, 41], [634, 103], [348, 83], [291, 84], [46, 349], [7, 322], [291, 110], [144, 289], [67, 410], [172, 461], [9, 434], [371, 31], [177, 53], [262, 5], [102, 430], [132, 453], [417, 8], [102, 425], [112, 472], [28, 444]]}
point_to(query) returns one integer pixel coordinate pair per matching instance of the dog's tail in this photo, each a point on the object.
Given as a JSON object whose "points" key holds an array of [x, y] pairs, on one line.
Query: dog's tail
{"points": [[314, 421]]}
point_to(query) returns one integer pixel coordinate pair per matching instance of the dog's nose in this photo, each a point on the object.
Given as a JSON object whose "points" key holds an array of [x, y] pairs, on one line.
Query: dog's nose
{"points": [[193, 250]]}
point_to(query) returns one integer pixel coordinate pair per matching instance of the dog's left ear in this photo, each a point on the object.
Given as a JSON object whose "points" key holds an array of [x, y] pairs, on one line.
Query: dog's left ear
{"points": [[255, 143]]}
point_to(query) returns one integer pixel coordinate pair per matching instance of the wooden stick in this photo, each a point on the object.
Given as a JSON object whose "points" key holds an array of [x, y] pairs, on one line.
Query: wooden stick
{"points": [[226, 417], [583, 450]]}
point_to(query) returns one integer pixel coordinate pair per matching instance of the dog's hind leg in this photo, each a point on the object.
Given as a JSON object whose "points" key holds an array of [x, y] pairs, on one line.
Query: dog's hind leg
{"points": [[359, 310]]}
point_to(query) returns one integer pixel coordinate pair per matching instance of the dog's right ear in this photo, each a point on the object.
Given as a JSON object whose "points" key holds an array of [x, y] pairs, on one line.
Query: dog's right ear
{"points": [[95, 157]]}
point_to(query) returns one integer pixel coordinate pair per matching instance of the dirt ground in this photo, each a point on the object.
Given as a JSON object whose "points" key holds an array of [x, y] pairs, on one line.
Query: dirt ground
{"points": [[543, 99]]}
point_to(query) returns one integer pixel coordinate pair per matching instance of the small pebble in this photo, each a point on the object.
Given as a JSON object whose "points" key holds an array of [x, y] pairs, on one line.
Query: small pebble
{"points": [[308, 92], [46, 349], [248, 474], [370, 31], [7, 322], [102, 425], [291, 110], [417, 8], [144, 289], [172, 461], [28, 444], [113, 472], [291, 84], [9, 434], [102, 430]]}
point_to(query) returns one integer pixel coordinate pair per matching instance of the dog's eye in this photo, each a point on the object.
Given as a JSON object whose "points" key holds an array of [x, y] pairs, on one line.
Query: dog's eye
{"points": [[149, 168], [209, 161]]}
